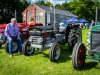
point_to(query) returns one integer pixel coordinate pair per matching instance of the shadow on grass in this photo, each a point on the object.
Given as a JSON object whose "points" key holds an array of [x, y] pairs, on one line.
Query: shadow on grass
{"points": [[90, 65], [65, 53], [36, 53], [2, 48]]}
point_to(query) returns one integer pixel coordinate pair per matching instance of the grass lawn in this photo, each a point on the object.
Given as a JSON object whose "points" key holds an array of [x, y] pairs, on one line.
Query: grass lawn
{"points": [[39, 63]]}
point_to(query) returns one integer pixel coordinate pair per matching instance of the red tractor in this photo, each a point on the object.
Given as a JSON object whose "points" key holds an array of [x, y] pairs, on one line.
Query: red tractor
{"points": [[24, 30], [2, 36]]}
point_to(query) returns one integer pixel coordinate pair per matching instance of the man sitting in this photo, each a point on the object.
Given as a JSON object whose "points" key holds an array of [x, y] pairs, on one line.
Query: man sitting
{"points": [[12, 33]]}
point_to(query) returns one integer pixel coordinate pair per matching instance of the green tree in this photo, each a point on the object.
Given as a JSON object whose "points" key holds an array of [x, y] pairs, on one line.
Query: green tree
{"points": [[84, 8], [58, 6], [42, 2], [81, 8], [48, 3], [8, 7]]}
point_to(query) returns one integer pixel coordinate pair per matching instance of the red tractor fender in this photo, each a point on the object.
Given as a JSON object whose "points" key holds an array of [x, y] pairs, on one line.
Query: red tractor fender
{"points": [[2, 27]]}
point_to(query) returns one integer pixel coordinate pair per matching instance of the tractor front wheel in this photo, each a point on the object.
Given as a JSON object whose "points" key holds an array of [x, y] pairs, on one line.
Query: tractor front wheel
{"points": [[27, 49], [78, 56], [54, 52]]}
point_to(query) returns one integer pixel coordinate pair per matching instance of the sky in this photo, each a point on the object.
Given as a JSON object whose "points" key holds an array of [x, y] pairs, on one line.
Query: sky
{"points": [[57, 1]]}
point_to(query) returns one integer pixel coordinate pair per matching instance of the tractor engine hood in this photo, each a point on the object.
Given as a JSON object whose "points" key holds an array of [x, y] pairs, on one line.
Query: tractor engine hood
{"points": [[96, 28], [39, 30], [42, 27]]}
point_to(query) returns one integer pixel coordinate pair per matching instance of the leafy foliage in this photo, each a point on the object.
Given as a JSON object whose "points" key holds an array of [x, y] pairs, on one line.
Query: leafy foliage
{"points": [[82, 8], [48, 3], [42, 2], [45, 3], [8, 7]]}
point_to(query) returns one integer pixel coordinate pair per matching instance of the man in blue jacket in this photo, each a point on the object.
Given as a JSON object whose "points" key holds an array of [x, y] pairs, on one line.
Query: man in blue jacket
{"points": [[12, 33]]}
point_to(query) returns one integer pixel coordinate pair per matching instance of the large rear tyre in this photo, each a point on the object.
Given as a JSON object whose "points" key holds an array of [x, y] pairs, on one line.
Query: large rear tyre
{"points": [[0, 45], [54, 52], [14, 46], [78, 56], [27, 49], [75, 36]]}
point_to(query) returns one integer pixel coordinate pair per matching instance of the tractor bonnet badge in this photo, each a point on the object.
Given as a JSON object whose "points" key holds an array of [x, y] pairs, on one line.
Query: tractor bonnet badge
{"points": [[34, 30]]}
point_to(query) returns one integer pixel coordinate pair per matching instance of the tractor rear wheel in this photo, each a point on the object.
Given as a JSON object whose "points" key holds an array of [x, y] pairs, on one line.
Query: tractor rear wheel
{"points": [[27, 49], [54, 52], [78, 56], [75, 36], [14, 46], [0, 45]]}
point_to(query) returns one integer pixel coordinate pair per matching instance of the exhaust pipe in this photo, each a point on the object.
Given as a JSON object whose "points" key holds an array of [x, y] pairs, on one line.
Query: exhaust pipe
{"points": [[96, 15]]}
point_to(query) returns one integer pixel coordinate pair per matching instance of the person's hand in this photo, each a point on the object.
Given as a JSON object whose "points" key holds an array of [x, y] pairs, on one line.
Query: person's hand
{"points": [[19, 38], [10, 39]]}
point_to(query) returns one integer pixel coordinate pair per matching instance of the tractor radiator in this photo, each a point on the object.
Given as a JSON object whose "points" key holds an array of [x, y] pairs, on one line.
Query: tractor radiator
{"points": [[95, 41]]}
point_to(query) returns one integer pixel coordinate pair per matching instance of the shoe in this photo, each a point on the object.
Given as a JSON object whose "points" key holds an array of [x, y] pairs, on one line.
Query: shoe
{"points": [[20, 53], [11, 56]]}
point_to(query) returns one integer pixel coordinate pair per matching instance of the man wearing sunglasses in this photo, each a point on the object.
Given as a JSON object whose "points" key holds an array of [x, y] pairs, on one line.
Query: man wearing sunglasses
{"points": [[12, 33]]}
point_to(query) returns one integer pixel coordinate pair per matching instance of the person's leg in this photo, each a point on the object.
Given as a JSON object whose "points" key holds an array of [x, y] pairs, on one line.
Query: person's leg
{"points": [[19, 46], [10, 47]]}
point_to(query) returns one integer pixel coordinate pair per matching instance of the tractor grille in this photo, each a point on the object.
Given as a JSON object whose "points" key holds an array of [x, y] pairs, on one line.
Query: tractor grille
{"points": [[34, 40], [96, 41]]}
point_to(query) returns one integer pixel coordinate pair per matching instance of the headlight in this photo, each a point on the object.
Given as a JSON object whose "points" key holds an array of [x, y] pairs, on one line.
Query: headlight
{"points": [[24, 29], [39, 40], [30, 39]]}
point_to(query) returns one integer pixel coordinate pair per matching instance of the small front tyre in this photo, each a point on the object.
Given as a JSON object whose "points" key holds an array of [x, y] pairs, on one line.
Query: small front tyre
{"points": [[54, 52], [78, 56], [27, 49]]}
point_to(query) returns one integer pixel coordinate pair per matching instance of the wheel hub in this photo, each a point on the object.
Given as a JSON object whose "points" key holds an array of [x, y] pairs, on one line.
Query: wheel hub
{"points": [[81, 56], [14, 46], [29, 49], [57, 54]]}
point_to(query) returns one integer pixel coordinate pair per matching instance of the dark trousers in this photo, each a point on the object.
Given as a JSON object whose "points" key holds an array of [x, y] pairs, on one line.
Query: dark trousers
{"points": [[10, 45]]}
